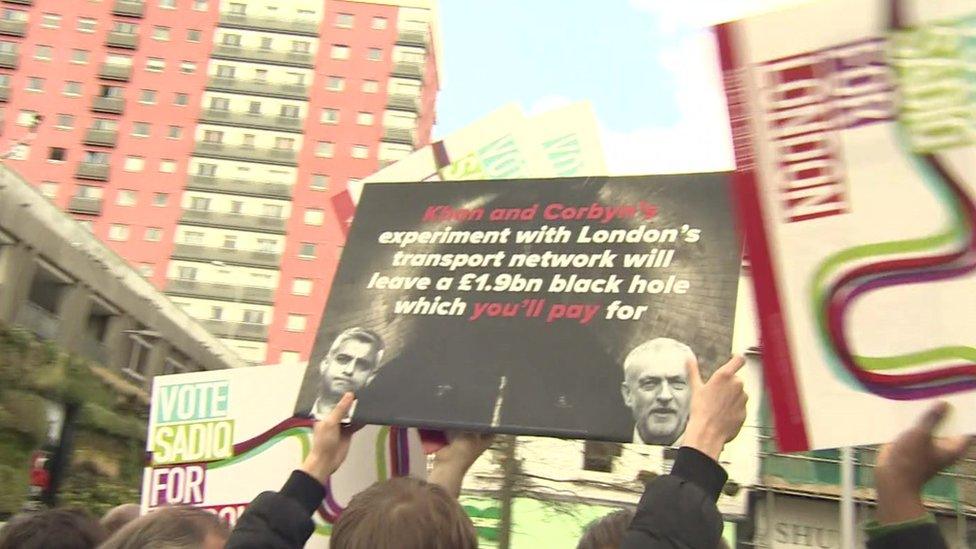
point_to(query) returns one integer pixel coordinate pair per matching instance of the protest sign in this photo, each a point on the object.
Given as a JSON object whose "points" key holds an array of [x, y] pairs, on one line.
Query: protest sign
{"points": [[513, 306], [217, 439], [855, 142]]}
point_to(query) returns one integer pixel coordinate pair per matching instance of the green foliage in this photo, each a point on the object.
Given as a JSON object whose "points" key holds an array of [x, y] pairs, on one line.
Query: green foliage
{"points": [[89, 490], [104, 420]]}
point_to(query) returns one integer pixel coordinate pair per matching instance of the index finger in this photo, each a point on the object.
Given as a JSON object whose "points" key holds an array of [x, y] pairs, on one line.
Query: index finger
{"points": [[733, 366], [341, 409]]}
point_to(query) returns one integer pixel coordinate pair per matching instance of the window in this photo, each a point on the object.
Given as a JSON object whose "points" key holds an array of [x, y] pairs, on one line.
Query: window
{"points": [[329, 116], [284, 143], [200, 5], [260, 75], [147, 97], [237, 8], [140, 129], [167, 166], [340, 51], [57, 154], [86, 24], [379, 23], [335, 83], [236, 206], [364, 119], [324, 149], [118, 232], [49, 189], [92, 157], [124, 28], [14, 15], [207, 170], [42, 52], [314, 216], [272, 210], [155, 64], [65, 122], [344, 20], [35, 84], [252, 316], [174, 132], [266, 42], [186, 273], [247, 140], [360, 151], [188, 67], [233, 40], [167, 4], [306, 250], [111, 91], [219, 104], [301, 286], [320, 182], [146, 269], [216, 312], [199, 203], [290, 357], [72, 89], [266, 245], [160, 199], [161, 33], [300, 46], [105, 124], [79, 56], [254, 107], [87, 191], [297, 78], [50, 21], [296, 323], [598, 456], [26, 118], [226, 71], [230, 242], [289, 111], [374, 54], [213, 136], [134, 163], [193, 35], [181, 99], [193, 237], [8, 47], [126, 198], [153, 234], [370, 86]]}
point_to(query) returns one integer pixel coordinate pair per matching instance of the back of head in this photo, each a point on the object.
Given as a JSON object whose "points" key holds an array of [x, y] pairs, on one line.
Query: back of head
{"points": [[403, 513], [52, 529], [171, 528], [607, 532], [119, 516]]}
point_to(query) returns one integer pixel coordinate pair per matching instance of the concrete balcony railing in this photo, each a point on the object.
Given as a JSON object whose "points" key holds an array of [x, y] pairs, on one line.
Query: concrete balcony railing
{"points": [[288, 59], [255, 223], [403, 102], [13, 28], [35, 318], [247, 120], [113, 71], [228, 292], [258, 87], [243, 258], [88, 170], [240, 187], [104, 138], [93, 350], [246, 154], [413, 38], [4, 93], [293, 26], [128, 8], [85, 205], [122, 40], [113, 105], [408, 69], [9, 60], [237, 330], [404, 136]]}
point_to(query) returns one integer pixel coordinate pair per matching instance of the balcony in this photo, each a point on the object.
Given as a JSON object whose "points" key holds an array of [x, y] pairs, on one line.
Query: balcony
{"points": [[226, 292], [128, 8], [289, 26], [408, 69], [113, 105], [247, 120], [13, 28], [122, 40], [88, 170], [113, 71], [93, 350], [241, 187], [102, 138], [246, 154], [255, 55], [9, 60], [402, 102], [404, 136], [416, 39], [258, 87], [39, 320], [237, 330], [254, 223], [85, 205], [4, 93], [242, 258]]}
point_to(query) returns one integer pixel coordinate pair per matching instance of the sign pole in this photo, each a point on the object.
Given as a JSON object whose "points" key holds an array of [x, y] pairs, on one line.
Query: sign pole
{"points": [[847, 516]]}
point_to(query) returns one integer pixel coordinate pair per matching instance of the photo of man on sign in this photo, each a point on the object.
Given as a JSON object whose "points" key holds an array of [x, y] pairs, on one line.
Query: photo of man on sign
{"points": [[657, 391], [350, 364]]}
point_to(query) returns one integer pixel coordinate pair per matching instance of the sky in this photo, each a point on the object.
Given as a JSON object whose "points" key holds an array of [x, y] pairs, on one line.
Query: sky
{"points": [[649, 68]]}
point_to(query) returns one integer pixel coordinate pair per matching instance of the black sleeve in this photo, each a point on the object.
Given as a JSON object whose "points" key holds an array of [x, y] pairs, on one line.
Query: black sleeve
{"points": [[923, 535], [678, 510], [280, 520]]}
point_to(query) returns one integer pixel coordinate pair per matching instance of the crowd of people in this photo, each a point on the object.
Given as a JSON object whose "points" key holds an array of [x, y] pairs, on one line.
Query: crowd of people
{"points": [[677, 510]]}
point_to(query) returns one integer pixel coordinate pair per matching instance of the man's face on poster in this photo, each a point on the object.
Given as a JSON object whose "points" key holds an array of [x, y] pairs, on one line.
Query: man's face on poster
{"points": [[348, 367], [657, 391]]}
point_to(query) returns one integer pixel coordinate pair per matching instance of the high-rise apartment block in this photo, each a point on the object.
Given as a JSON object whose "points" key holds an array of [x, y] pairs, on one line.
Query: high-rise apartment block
{"points": [[206, 140]]}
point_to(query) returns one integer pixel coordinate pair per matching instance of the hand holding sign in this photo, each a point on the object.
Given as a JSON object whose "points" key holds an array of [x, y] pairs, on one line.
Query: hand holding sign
{"points": [[718, 408], [330, 442]]}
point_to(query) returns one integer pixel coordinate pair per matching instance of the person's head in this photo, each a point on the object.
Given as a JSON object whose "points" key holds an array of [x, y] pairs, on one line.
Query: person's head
{"points": [[403, 513], [172, 528], [656, 389], [351, 363], [607, 532], [52, 529], [119, 516]]}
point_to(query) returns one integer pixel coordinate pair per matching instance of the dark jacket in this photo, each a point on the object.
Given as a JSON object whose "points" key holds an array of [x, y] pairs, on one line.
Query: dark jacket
{"points": [[280, 520], [678, 510], [920, 535]]}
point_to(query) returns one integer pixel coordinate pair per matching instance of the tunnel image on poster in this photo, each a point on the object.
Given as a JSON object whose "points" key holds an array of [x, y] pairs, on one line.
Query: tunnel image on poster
{"points": [[564, 307]]}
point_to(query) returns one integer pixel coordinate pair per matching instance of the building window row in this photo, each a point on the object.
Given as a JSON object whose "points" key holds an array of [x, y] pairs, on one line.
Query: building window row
{"points": [[342, 52]]}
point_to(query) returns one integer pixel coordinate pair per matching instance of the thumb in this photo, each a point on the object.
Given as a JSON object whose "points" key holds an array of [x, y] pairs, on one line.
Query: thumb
{"points": [[694, 374]]}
